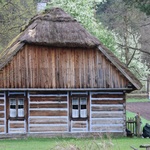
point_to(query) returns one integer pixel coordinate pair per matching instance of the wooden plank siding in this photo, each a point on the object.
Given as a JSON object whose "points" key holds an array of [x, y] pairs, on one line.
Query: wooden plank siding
{"points": [[45, 67], [2, 113], [79, 126], [16, 126], [107, 112], [48, 112]]}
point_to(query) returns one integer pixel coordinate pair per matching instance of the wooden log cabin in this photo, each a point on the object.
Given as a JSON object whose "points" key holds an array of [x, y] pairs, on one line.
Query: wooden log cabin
{"points": [[55, 77]]}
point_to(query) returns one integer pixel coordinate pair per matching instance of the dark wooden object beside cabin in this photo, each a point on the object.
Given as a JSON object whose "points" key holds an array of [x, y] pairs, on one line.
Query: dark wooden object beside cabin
{"points": [[147, 146], [58, 78]]}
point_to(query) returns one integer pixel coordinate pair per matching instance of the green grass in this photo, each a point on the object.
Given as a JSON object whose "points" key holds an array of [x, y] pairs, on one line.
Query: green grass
{"points": [[125, 143], [66, 143], [137, 100]]}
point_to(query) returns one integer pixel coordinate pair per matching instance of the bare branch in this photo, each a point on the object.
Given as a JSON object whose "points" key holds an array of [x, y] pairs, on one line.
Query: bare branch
{"points": [[145, 25], [133, 48]]}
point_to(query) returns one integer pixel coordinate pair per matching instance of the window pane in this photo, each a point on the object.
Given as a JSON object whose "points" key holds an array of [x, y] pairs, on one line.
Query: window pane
{"points": [[12, 107], [75, 101], [83, 101], [75, 107], [20, 107], [83, 107]]}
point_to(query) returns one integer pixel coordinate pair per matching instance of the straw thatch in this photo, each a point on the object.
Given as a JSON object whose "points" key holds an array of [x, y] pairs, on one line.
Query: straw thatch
{"points": [[57, 28]]}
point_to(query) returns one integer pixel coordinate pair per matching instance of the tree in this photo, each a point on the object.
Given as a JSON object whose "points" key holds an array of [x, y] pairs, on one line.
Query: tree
{"points": [[125, 23], [13, 15], [142, 5]]}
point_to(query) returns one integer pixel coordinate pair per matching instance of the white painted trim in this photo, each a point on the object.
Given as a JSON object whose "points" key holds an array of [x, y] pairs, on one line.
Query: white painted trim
{"points": [[2, 112], [48, 95], [109, 131], [51, 132], [79, 130], [47, 117], [2, 104], [52, 109], [107, 105], [107, 99], [106, 92], [16, 122], [2, 125], [107, 112], [2, 98], [48, 102], [93, 119], [107, 125], [25, 126], [90, 111], [48, 125], [17, 129]]}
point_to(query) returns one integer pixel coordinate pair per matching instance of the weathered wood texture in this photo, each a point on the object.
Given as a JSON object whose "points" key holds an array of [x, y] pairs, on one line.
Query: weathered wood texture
{"points": [[79, 126], [43, 67], [16, 126], [107, 112], [2, 112], [48, 112]]}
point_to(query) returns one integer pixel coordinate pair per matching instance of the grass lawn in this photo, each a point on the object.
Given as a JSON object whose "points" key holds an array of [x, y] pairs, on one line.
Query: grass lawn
{"points": [[67, 143], [137, 100]]}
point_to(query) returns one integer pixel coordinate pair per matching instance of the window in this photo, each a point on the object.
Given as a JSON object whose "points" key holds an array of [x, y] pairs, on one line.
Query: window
{"points": [[16, 106], [79, 107]]}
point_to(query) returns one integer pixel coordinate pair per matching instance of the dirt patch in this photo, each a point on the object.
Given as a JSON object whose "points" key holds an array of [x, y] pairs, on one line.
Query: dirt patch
{"points": [[142, 107]]}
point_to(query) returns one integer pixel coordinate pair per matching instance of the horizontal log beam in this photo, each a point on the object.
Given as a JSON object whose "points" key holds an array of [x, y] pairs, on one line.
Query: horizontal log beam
{"points": [[66, 89]]}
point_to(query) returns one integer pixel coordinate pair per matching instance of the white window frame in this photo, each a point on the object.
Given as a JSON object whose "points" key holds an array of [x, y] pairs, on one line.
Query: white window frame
{"points": [[79, 108], [16, 108]]}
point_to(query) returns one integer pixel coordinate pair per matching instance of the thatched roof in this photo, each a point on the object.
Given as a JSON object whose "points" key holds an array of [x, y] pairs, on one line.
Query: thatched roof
{"points": [[56, 28]]}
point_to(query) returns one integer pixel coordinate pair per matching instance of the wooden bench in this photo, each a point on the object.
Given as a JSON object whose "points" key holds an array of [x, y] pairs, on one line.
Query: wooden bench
{"points": [[147, 146]]}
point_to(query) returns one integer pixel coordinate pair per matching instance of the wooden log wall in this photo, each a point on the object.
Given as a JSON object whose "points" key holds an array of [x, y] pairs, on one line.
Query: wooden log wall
{"points": [[44, 67], [2, 113], [107, 112], [79, 126], [16, 126], [48, 112]]}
